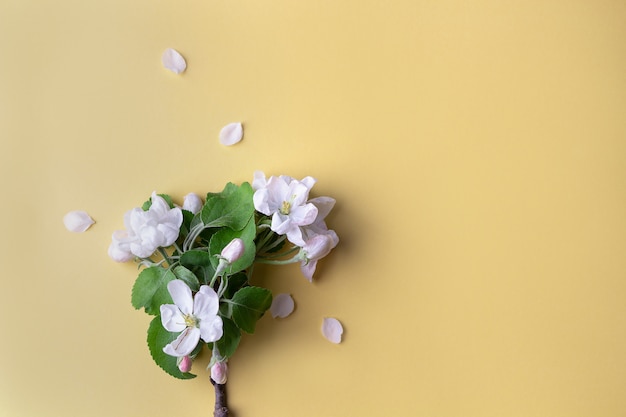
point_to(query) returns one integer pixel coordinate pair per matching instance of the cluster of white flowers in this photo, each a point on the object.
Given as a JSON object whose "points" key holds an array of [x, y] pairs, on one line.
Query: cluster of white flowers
{"points": [[146, 231], [286, 200]]}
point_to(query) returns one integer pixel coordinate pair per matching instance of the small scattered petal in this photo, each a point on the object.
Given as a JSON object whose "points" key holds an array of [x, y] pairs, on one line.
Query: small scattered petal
{"points": [[332, 329], [282, 306], [77, 221], [231, 133], [173, 61]]}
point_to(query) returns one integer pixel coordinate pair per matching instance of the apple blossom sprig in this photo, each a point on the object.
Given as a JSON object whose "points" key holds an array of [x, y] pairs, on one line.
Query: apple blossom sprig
{"points": [[197, 260]]}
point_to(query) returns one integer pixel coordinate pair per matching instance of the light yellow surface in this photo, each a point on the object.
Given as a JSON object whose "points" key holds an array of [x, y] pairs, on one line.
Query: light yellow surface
{"points": [[477, 151]]}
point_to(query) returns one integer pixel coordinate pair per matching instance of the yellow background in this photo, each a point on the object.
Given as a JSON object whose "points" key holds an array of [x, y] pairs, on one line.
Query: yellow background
{"points": [[476, 150]]}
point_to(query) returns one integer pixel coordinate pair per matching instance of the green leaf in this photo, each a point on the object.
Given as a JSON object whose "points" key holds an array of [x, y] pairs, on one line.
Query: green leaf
{"points": [[227, 345], [235, 283], [150, 289], [158, 338], [186, 275], [233, 207], [248, 306], [199, 262], [223, 238], [195, 257]]}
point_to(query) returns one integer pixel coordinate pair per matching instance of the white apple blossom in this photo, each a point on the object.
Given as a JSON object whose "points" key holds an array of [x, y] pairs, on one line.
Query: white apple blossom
{"points": [[195, 317], [146, 231], [285, 199], [319, 240], [192, 203], [315, 249]]}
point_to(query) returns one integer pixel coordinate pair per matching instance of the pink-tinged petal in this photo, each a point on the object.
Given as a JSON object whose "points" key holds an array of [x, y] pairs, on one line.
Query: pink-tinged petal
{"points": [[184, 344], [205, 303], [318, 246], [260, 199], [332, 329], [303, 215], [298, 193], [159, 205], [294, 235], [309, 182], [184, 364], [77, 221], [231, 134], [324, 206], [120, 253], [181, 295], [173, 61], [171, 318], [136, 220], [308, 269], [168, 234], [278, 191], [282, 306], [211, 329], [259, 180], [280, 223]]}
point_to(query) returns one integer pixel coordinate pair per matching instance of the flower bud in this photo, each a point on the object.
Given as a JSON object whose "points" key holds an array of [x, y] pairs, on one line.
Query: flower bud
{"points": [[219, 373], [192, 203], [184, 364], [233, 251]]}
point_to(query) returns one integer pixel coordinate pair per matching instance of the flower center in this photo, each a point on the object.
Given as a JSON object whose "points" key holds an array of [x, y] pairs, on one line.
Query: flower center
{"points": [[191, 321], [285, 208]]}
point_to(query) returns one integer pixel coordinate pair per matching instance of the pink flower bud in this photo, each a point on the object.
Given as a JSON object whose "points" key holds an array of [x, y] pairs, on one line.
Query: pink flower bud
{"points": [[233, 251], [219, 373], [184, 364]]}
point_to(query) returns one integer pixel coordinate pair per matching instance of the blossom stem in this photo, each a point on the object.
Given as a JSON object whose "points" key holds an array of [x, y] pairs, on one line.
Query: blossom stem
{"points": [[277, 262], [264, 239], [165, 256], [221, 409], [280, 254], [273, 244], [180, 252]]}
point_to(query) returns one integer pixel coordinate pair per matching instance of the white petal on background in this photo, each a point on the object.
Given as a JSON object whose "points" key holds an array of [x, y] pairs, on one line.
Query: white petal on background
{"points": [[332, 329], [231, 134], [173, 61], [282, 306], [77, 221]]}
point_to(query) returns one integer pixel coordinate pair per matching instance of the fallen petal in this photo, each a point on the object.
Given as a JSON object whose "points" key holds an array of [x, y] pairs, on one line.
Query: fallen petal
{"points": [[77, 221], [282, 306], [332, 329], [173, 61], [231, 134]]}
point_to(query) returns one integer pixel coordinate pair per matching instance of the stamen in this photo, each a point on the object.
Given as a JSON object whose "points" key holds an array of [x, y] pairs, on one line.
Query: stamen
{"points": [[285, 208]]}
